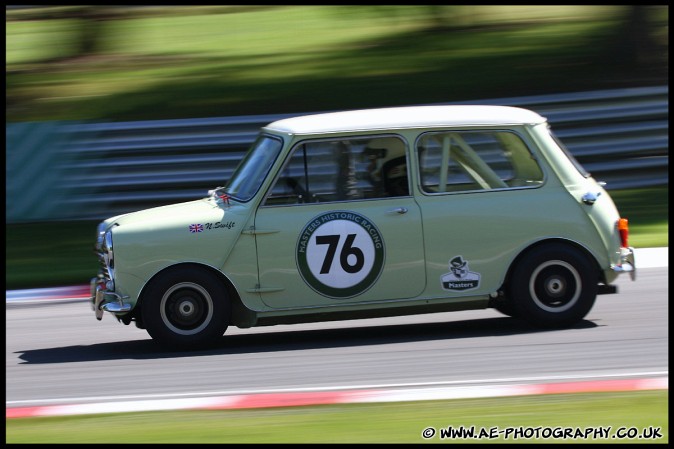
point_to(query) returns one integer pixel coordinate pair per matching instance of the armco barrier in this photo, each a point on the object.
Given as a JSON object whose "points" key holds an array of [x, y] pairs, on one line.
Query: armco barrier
{"points": [[59, 171]]}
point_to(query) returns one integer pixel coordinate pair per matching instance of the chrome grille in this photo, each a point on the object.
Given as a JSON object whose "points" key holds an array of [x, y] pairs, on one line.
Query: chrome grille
{"points": [[103, 269], [105, 272]]}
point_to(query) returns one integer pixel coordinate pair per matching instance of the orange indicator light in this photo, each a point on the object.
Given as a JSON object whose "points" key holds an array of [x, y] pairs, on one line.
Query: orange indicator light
{"points": [[623, 229]]}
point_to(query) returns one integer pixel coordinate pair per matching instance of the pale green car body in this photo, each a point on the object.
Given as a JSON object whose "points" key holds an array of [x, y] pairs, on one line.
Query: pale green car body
{"points": [[256, 248]]}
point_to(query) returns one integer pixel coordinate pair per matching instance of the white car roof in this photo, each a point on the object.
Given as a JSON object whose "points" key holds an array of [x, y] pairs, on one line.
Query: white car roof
{"points": [[406, 117]]}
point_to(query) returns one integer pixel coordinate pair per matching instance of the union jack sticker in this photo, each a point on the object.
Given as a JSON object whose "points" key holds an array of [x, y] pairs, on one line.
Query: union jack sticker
{"points": [[196, 228]]}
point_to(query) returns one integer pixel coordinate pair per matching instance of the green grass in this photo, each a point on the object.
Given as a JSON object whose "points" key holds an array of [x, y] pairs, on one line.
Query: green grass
{"points": [[316, 58], [61, 253], [360, 423], [647, 211]]}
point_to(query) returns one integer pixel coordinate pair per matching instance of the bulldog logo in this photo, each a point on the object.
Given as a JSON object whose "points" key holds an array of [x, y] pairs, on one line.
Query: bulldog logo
{"points": [[460, 278]]}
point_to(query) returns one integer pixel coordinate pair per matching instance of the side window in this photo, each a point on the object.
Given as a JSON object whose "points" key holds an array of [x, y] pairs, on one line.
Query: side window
{"points": [[460, 161], [342, 170]]}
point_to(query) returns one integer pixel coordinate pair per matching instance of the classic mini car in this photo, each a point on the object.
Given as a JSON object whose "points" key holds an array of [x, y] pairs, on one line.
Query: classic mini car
{"points": [[372, 213]]}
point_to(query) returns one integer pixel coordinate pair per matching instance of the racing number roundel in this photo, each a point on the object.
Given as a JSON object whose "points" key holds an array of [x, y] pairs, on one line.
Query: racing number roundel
{"points": [[340, 254]]}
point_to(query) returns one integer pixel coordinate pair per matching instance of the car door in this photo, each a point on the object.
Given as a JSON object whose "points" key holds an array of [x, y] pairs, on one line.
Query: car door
{"points": [[339, 226]]}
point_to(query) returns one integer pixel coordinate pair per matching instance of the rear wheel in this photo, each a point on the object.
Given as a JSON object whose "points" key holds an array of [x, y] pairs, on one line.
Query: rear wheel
{"points": [[186, 307], [553, 286]]}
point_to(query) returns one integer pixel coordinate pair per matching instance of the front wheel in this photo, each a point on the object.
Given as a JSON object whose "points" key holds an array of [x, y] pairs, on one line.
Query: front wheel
{"points": [[553, 286], [186, 307]]}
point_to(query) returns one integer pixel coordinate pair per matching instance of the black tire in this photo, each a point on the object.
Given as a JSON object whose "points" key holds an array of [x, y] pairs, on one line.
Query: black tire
{"points": [[504, 305], [186, 308], [553, 286]]}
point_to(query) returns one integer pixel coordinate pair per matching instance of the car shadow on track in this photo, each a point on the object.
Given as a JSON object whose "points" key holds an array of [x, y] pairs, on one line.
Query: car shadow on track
{"points": [[292, 340]]}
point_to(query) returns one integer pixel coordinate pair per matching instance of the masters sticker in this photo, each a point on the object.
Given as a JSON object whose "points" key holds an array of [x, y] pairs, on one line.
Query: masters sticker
{"points": [[460, 278], [340, 254]]}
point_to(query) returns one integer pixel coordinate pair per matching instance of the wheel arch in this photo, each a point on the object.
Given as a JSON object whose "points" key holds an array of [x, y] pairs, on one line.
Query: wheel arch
{"points": [[240, 313], [541, 243]]}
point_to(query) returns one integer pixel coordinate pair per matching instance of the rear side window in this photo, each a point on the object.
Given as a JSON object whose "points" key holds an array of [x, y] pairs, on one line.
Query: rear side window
{"points": [[568, 154], [460, 161]]}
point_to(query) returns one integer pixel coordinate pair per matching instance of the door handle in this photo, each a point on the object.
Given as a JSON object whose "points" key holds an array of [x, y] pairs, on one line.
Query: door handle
{"points": [[398, 210]]}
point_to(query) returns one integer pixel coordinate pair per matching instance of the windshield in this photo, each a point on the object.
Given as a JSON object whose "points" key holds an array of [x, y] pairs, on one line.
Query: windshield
{"points": [[253, 169]]}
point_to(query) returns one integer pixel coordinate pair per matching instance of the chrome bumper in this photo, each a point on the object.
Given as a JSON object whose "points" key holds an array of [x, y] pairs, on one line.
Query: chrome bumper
{"points": [[104, 300], [626, 264]]}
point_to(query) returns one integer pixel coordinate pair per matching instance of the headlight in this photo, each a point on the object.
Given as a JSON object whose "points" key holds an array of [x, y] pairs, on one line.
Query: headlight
{"points": [[107, 250], [105, 255], [100, 235]]}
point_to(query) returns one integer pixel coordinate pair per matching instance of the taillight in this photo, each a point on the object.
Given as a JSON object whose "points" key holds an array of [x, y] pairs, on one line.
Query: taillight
{"points": [[623, 230]]}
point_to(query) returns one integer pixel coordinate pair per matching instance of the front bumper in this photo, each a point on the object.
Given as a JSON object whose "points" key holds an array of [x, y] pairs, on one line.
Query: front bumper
{"points": [[104, 300]]}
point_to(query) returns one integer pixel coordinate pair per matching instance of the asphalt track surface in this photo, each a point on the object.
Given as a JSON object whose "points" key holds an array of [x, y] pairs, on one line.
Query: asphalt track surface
{"points": [[58, 353]]}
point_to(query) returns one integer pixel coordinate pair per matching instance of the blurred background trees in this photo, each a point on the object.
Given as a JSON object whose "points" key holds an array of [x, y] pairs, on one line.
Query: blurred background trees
{"points": [[153, 62]]}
